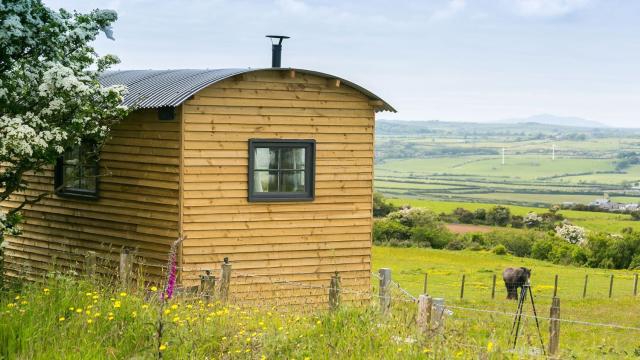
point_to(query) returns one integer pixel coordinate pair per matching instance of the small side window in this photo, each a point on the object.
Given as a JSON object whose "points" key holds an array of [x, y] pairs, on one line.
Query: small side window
{"points": [[76, 172], [281, 170]]}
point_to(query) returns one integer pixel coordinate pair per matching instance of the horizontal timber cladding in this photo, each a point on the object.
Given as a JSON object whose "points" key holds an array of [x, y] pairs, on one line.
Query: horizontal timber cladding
{"points": [[272, 242], [138, 206]]}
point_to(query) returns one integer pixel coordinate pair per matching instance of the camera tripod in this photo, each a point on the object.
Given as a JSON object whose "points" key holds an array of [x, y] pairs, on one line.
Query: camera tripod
{"points": [[515, 328]]}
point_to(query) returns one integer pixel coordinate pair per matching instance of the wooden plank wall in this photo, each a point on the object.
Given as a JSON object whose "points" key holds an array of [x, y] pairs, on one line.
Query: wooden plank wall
{"points": [[138, 206], [294, 241]]}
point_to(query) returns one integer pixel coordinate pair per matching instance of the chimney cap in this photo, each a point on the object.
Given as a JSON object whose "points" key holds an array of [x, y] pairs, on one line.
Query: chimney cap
{"points": [[279, 37]]}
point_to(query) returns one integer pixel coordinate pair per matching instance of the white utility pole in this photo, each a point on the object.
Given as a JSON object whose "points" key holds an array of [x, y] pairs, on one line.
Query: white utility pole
{"points": [[553, 152], [502, 156]]}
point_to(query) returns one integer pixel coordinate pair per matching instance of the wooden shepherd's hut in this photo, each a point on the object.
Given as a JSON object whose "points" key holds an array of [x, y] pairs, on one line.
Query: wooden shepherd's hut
{"points": [[271, 168]]}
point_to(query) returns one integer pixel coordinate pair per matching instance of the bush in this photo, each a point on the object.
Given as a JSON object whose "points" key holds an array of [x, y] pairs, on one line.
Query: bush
{"points": [[480, 216], [412, 217], [381, 207], [541, 249], [500, 250], [464, 216], [386, 230], [435, 236], [456, 244], [517, 222], [499, 216], [635, 263]]}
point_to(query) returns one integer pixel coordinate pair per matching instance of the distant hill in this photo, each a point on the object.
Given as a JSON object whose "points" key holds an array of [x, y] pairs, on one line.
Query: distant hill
{"points": [[549, 119]]}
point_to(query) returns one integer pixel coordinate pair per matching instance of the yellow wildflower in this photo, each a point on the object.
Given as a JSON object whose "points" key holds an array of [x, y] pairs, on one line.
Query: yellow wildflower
{"points": [[134, 313], [144, 306], [79, 310], [45, 290], [110, 318], [89, 321], [17, 297], [167, 311], [61, 318], [489, 346], [163, 347], [117, 304], [174, 306], [153, 288], [123, 294]]}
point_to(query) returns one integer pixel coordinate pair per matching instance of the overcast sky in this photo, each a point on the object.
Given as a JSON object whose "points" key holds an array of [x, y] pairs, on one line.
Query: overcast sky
{"points": [[460, 60]]}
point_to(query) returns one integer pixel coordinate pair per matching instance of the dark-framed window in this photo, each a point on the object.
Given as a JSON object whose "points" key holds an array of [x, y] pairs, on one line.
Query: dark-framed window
{"points": [[76, 172], [281, 170]]}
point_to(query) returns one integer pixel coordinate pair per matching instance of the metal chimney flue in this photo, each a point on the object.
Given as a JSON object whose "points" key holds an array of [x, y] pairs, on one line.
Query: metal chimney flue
{"points": [[276, 49]]}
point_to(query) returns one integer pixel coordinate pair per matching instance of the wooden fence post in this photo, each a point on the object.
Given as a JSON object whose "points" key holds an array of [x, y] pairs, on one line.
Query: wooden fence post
{"points": [[611, 285], [225, 280], [493, 287], [424, 312], [584, 290], [90, 263], [462, 287], [334, 291], [385, 296], [207, 285], [555, 286], [424, 290], [635, 285], [554, 327], [126, 263]]}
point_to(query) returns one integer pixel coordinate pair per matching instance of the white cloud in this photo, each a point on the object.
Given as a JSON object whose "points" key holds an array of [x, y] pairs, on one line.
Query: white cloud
{"points": [[549, 8], [453, 7]]}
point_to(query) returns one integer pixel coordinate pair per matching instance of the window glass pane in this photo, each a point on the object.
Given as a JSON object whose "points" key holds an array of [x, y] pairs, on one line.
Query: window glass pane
{"points": [[265, 181], [79, 169], [71, 177], [262, 158], [292, 158], [292, 181], [90, 178]]}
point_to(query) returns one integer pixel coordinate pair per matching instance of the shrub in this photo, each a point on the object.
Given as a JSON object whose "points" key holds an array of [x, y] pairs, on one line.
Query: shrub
{"points": [[635, 263], [381, 207], [414, 217], [500, 250], [571, 233], [385, 230], [480, 216], [541, 249], [464, 216], [435, 236], [517, 222], [456, 244], [499, 216], [532, 220]]}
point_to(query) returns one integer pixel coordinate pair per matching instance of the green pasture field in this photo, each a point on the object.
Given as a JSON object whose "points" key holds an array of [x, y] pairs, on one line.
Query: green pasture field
{"points": [[594, 221], [445, 269], [515, 167]]}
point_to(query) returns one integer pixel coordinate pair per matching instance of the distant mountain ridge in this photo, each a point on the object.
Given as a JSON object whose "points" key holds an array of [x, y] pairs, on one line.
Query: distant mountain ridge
{"points": [[549, 119]]}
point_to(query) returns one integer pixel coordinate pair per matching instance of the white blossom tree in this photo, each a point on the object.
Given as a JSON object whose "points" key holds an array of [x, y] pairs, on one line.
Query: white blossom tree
{"points": [[50, 98], [571, 233]]}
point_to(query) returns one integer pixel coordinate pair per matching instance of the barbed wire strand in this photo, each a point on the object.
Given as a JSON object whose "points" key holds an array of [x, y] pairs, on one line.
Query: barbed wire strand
{"points": [[510, 314]]}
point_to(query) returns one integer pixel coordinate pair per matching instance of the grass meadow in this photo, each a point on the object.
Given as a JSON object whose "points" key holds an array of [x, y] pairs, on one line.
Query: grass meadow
{"points": [[72, 318], [445, 269]]}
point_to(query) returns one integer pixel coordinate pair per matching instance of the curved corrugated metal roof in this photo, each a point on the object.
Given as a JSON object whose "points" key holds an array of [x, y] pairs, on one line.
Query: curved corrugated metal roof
{"points": [[158, 88]]}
